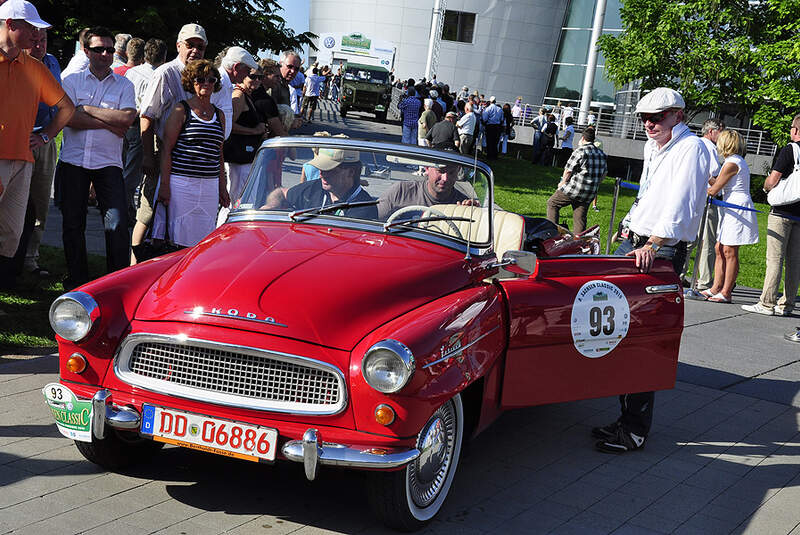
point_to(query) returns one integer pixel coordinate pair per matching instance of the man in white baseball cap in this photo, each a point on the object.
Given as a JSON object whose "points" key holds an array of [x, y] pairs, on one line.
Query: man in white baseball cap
{"points": [[664, 218], [24, 82]]}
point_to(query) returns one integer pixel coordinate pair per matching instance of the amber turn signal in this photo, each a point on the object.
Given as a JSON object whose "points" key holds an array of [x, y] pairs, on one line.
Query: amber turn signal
{"points": [[384, 414], [76, 363]]}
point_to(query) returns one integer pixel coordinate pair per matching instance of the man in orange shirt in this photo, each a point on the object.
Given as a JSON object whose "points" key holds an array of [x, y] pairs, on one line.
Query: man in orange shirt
{"points": [[24, 82]]}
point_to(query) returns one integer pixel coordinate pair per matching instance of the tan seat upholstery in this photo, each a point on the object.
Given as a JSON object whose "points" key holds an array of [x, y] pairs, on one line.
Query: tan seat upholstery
{"points": [[509, 228]]}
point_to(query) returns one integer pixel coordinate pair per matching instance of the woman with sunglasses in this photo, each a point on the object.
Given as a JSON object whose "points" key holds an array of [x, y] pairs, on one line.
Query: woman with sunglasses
{"points": [[193, 182], [247, 132]]}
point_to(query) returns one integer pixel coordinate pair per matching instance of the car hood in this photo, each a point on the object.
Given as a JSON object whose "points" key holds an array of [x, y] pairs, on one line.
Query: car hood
{"points": [[328, 286]]}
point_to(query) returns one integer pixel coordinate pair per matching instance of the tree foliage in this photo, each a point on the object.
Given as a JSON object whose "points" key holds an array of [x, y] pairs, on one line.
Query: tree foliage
{"points": [[252, 24], [720, 54]]}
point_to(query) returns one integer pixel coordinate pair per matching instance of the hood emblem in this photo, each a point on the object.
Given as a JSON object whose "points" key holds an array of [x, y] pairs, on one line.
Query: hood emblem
{"points": [[232, 313]]}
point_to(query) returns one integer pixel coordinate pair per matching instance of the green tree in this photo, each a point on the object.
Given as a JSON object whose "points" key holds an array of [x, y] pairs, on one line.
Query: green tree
{"points": [[717, 53], [252, 24]]}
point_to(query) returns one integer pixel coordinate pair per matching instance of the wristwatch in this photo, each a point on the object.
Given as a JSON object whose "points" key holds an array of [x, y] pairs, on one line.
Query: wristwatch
{"points": [[44, 137], [654, 246]]}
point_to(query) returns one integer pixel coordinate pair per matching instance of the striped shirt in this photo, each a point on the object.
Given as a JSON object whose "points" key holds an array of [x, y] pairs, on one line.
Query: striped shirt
{"points": [[197, 150]]}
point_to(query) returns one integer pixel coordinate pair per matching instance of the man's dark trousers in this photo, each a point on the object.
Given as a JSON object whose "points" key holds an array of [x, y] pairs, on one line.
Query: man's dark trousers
{"points": [[637, 409], [493, 132], [110, 190]]}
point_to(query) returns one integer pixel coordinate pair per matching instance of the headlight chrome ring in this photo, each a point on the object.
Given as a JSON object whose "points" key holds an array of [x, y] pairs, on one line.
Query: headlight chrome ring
{"points": [[73, 314], [388, 366]]}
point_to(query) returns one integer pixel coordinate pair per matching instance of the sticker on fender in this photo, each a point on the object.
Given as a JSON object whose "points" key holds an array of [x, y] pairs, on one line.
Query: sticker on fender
{"points": [[600, 318], [73, 416], [213, 435]]}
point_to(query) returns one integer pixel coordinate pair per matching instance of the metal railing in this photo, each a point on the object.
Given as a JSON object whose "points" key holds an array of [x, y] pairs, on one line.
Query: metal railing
{"points": [[628, 126]]}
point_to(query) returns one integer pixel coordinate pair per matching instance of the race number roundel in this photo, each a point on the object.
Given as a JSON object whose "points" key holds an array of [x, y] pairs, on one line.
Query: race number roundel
{"points": [[600, 318]]}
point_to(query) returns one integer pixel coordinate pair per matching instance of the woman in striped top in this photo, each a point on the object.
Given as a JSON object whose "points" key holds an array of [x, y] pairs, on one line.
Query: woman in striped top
{"points": [[193, 182]]}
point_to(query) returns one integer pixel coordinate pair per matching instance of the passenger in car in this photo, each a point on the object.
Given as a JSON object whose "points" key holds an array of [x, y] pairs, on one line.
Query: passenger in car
{"points": [[437, 188], [339, 182]]}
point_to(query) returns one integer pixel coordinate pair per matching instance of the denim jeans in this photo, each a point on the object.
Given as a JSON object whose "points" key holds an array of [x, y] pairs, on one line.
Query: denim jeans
{"points": [[637, 409], [110, 190], [410, 134]]}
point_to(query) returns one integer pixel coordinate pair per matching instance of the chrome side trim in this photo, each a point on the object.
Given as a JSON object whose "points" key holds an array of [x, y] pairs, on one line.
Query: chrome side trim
{"points": [[312, 451], [105, 413], [662, 288], [123, 371], [449, 354]]}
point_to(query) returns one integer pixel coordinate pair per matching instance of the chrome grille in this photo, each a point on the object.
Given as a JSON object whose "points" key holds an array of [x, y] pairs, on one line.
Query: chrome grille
{"points": [[236, 376]]}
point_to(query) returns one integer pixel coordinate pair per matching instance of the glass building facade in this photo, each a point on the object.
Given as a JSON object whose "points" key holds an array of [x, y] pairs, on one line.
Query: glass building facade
{"points": [[569, 66]]}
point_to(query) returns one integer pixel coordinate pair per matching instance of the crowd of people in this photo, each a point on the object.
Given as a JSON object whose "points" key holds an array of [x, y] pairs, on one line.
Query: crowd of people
{"points": [[158, 145]]}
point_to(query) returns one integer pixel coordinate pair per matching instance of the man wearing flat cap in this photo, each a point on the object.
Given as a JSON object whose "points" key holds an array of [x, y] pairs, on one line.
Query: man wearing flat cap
{"points": [[24, 82], [339, 171], [164, 91], [663, 220]]}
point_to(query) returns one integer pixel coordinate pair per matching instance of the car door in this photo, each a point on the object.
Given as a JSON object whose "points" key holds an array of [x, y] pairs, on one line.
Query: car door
{"points": [[584, 327]]}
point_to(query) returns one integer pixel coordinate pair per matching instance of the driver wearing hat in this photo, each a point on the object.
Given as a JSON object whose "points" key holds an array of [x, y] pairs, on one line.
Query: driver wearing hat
{"points": [[339, 182]]}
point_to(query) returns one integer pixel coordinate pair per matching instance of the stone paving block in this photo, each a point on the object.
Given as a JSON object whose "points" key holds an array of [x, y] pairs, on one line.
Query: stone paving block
{"points": [[504, 507], [712, 479], [701, 524], [579, 494], [473, 518], [652, 522], [674, 469], [748, 492], [117, 527], [221, 520], [528, 522], [587, 523], [150, 519], [267, 525], [620, 506], [77, 520], [632, 529], [524, 492], [187, 527], [680, 503]]}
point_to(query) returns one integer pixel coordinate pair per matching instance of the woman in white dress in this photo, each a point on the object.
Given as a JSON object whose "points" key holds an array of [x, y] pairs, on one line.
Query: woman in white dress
{"points": [[736, 226]]}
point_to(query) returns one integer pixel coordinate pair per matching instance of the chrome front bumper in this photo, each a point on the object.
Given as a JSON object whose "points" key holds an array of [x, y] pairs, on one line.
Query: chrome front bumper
{"points": [[312, 451]]}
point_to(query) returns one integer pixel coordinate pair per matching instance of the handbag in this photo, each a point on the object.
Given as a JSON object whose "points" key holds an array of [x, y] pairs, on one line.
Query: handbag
{"points": [[241, 148], [787, 191], [512, 134], [152, 247]]}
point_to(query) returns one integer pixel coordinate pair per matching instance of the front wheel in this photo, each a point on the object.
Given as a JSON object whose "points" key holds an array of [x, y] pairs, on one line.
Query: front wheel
{"points": [[343, 111], [408, 499], [380, 116], [118, 449]]}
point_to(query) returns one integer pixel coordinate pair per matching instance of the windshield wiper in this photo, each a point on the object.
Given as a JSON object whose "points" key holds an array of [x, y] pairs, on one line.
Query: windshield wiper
{"points": [[330, 208], [408, 222]]}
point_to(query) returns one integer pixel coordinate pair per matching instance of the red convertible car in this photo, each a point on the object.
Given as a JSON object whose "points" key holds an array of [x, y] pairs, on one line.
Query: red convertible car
{"points": [[365, 305]]}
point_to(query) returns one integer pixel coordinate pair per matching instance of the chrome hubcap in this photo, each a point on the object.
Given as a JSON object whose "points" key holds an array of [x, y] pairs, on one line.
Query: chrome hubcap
{"points": [[428, 472]]}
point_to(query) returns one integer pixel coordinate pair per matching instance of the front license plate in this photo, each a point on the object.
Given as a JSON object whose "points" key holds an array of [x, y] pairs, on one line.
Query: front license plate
{"points": [[379, 108], [214, 435]]}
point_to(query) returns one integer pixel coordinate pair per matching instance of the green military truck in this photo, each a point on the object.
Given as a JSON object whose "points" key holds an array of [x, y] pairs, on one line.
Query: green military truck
{"points": [[365, 88]]}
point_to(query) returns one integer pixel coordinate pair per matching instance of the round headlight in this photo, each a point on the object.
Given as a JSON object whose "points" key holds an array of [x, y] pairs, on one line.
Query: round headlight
{"points": [[348, 91], [385, 96], [387, 366], [73, 314]]}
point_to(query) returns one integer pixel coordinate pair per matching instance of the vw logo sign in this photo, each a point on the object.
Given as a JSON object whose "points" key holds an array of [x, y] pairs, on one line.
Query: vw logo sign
{"points": [[330, 42]]}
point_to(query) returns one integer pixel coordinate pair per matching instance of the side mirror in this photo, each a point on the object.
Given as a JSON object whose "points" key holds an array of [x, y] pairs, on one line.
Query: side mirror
{"points": [[517, 264]]}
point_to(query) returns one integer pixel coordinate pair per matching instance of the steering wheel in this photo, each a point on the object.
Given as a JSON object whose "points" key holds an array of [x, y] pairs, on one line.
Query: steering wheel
{"points": [[427, 211]]}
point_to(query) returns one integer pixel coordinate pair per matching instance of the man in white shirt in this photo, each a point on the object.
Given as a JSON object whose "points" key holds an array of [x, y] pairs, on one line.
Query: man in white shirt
{"points": [[311, 89], [163, 92], [79, 60], [706, 256], [466, 129], [665, 218], [92, 154], [155, 53]]}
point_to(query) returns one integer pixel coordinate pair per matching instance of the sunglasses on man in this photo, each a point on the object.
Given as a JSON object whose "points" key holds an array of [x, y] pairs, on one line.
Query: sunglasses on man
{"points": [[101, 49], [654, 118]]}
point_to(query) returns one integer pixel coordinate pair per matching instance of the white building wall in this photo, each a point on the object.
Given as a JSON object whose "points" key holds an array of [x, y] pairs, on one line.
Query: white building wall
{"points": [[511, 54]]}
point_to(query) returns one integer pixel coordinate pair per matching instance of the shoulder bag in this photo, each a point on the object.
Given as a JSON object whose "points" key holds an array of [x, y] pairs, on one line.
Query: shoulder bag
{"points": [[152, 247], [787, 190], [241, 148]]}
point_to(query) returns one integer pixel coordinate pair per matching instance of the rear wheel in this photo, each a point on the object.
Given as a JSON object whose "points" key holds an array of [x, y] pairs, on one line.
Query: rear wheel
{"points": [[118, 450], [408, 499]]}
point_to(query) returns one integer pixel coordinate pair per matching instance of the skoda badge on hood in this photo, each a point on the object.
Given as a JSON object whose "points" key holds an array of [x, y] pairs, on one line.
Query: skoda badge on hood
{"points": [[233, 313]]}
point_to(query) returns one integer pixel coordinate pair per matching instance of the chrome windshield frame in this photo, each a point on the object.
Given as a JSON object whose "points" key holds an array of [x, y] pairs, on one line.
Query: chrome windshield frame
{"points": [[383, 147]]}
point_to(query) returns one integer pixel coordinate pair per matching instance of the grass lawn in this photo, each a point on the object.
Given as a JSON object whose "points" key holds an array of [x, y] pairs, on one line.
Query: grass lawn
{"points": [[24, 313], [519, 187]]}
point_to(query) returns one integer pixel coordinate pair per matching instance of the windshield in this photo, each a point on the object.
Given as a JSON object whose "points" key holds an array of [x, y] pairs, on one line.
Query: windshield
{"points": [[366, 75], [396, 193]]}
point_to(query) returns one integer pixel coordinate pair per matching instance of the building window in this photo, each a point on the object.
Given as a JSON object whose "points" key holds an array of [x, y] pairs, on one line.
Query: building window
{"points": [[458, 26]]}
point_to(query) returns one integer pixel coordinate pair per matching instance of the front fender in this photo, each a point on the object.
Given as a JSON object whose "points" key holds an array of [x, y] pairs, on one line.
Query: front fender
{"points": [[118, 295], [455, 340]]}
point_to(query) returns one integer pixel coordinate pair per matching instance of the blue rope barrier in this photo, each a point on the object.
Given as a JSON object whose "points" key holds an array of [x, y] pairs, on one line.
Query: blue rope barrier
{"points": [[629, 185], [736, 206]]}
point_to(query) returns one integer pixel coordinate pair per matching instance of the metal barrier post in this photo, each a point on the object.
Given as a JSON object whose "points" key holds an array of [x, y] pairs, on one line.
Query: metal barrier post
{"points": [[613, 213], [692, 293]]}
